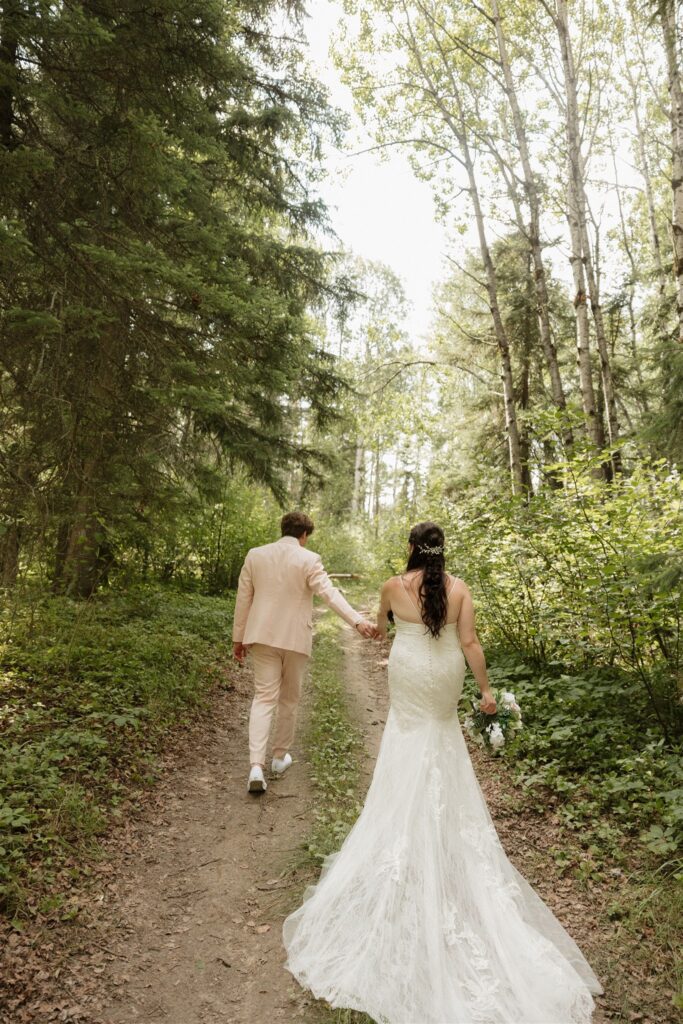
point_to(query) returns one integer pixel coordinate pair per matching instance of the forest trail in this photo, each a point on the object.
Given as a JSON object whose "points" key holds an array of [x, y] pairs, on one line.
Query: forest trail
{"points": [[184, 923]]}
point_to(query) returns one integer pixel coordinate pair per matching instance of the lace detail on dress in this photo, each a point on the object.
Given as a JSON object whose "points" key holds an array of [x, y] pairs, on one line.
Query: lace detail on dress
{"points": [[393, 860], [481, 836], [450, 924], [435, 791]]}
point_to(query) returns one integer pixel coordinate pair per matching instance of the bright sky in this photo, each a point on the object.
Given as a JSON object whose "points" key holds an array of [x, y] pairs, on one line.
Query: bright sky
{"points": [[377, 207]]}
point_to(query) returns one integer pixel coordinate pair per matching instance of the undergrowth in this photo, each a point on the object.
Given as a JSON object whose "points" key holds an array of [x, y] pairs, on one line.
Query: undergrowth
{"points": [[614, 779], [333, 746], [89, 690]]}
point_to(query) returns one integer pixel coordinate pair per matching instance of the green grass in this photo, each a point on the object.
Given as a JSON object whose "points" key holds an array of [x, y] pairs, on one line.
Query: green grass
{"points": [[89, 692], [333, 745], [334, 749]]}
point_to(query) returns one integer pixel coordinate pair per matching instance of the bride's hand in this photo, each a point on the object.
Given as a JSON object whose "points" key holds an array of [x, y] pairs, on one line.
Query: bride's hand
{"points": [[488, 703]]}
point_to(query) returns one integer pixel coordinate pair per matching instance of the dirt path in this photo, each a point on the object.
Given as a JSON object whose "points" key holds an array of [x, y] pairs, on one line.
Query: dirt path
{"points": [[198, 915], [182, 924]]}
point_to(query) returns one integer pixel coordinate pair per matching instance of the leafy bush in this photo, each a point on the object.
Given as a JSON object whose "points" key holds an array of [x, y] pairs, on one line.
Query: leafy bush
{"points": [[586, 577], [343, 547], [88, 692], [200, 542], [604, 763]]}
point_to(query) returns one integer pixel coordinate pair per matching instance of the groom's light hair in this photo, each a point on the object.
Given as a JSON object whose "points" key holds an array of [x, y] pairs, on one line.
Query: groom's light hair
{"points": [[295, 524]]}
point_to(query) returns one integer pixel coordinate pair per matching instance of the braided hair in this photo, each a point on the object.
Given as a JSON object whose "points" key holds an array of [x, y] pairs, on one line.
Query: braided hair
{"points": [[428, 554]]}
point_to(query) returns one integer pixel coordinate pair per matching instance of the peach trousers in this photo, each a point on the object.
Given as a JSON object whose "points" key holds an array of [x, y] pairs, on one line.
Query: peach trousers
{"points": [[278, 678]]}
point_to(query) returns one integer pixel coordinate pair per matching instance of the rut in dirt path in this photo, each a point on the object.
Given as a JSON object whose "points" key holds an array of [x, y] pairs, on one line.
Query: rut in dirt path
{"points": [[190, 931]]}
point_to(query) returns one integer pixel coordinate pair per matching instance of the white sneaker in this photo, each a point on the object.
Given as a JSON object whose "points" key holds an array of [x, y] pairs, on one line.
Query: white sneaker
{"points": [[280, 765], [257, 783]]}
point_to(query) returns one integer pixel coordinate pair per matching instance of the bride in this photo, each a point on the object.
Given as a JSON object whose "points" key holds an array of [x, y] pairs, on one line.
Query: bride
{"points": [[420, 918]]}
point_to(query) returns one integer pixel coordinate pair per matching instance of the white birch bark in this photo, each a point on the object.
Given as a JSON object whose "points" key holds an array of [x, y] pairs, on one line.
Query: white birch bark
{"points": [[670, 14], [534, 231]]}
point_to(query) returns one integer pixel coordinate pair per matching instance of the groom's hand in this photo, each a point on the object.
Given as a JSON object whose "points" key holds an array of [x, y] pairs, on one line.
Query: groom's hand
{"points": [[367, 629], [240, 652]]}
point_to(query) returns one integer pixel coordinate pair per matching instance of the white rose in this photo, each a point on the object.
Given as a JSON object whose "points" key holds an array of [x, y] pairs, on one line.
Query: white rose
{"points": [[496, 736], [507, 697]]}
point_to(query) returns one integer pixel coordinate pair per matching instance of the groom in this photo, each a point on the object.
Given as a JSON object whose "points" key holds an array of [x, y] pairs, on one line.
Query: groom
{"points": [[274, 622]]}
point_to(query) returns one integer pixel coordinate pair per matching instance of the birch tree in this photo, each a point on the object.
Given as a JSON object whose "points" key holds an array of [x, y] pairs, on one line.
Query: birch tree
{"points": [[670, 15], [534, 208], [428, 110], [585, 279]]}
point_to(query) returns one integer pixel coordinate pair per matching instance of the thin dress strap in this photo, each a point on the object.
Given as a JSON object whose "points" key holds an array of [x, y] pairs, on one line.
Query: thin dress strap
{"points": [[414, 603], [410, 597]]}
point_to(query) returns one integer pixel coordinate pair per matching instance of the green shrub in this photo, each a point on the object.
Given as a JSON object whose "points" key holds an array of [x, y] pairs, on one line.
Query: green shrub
{"points": [[343, 547], [583, 578], [89, 690]]}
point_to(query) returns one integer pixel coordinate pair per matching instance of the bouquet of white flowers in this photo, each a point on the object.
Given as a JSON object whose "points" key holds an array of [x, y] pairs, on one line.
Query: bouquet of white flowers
{"points": [[495, 731]]}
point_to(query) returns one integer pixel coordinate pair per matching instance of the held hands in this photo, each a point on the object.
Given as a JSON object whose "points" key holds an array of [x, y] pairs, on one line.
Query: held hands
{"points": [[487, 703], [368, 630]]}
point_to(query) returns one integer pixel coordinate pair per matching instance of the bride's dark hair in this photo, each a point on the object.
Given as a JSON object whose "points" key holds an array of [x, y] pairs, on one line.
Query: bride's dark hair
{"points": [[428, 554]]}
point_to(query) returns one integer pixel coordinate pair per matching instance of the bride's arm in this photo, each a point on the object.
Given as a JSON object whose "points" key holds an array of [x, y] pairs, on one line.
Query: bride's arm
{"points": [[473, 651], [384, 609]]}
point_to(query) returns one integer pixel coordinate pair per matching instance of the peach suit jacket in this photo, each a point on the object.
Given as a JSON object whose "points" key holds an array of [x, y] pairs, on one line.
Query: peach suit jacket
{"points": [[274, 603]]}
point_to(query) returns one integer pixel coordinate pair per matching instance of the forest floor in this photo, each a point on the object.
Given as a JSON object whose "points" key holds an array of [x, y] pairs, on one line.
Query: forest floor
{"points": [[181, 920]]}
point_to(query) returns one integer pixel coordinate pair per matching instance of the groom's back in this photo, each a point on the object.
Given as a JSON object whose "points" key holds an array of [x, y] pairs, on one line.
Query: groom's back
{"points": [[280, 565], [274, 585]]}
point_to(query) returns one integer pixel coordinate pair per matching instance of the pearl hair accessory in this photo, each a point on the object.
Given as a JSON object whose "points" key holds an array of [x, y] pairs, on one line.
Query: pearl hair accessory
{"points": [[424, 549]]}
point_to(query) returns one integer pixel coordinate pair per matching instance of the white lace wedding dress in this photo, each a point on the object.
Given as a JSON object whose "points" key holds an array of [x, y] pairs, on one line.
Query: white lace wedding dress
{"points": [[420, 918]]}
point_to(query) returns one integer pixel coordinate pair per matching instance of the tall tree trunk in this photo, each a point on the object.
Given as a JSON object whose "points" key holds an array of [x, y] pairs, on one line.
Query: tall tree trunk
{"points": [[511, 425], [367, 498], [83, 555], [609, 391], [633, 277], [377, 489], [458, 126], [356, 499], [576, 214], [670, 30], [523, 391], [534, 230], [80, 555], [9, 555], [594, 425], [9, 45], [647, 180]]}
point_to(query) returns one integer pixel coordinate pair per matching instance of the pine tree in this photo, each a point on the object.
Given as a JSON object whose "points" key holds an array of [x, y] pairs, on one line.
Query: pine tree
{"points": [[158, 277]]}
